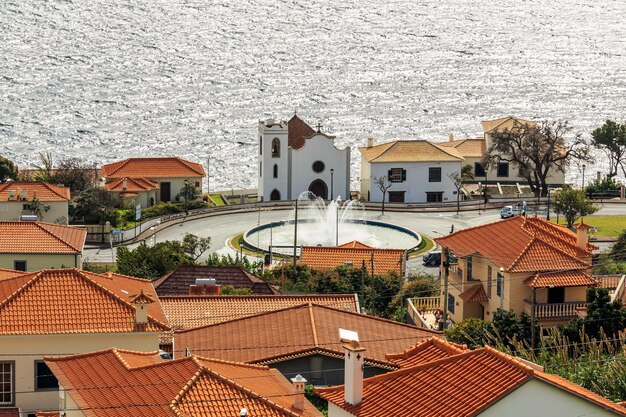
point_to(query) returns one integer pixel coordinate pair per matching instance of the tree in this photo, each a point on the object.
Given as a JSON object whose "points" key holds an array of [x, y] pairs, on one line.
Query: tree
{"points": [[536, 151], [195, 246], [383, 183], [45, 168], [618, 251], [151, 262], [8, 170], [38, 208], [95, 205], [573, 204], [457, 181], [188, 192], [608, 186], [74, 174], [610, 138]]}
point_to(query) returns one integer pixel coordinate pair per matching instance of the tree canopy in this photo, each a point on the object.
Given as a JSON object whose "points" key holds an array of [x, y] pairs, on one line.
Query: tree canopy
{"points": [[537, 151], [610, 138], [573, 204], [8, 170]]}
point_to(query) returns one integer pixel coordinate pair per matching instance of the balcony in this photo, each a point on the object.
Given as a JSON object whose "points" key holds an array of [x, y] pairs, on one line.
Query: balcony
{"points": [[555, 311], [422, 310]]}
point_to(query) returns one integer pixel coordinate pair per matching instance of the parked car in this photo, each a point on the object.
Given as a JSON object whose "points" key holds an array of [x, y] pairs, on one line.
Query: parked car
{"points": [[509, 211], [432, 258]]}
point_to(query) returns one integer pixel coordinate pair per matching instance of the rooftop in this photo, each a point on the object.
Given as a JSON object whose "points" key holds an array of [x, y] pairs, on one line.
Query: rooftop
{"points": [[468, 148], [171, 167], [132, 185], [42, 190], [561, 279], [298, 131], [426, 351], [410, 151], [66, 301], [118, 383], [356, 254], [38, 237], [304, 330], [504, 123]]}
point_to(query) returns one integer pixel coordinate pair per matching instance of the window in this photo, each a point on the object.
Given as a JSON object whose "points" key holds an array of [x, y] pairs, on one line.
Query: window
{"points": [[397, 175], [396, 196], [25, 207], [260, 145], [499, 284], [260, 168], [469, 267], [275, 148], [451, 302], [44, 378], [318, 166], [479, 169], [275, 171], [7, 382], [503, 169], [434, 197], [275, 195], [434, 174], [19, 265], [489, 283]]}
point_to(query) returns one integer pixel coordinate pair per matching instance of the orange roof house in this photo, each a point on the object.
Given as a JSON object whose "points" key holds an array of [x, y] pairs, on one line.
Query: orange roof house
{"points": [[65, 311], [291, 337], [482, 382], [355, 254], [30, 246], [17, 196], [538, 260], [122, 383]]}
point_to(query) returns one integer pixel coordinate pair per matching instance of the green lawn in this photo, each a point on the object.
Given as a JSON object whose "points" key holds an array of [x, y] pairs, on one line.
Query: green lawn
{"points": [[217, 198], [608, 226]]}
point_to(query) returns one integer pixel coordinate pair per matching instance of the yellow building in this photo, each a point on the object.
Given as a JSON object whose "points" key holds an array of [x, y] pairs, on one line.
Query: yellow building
{"points": [[67, 311], [16, 200]]}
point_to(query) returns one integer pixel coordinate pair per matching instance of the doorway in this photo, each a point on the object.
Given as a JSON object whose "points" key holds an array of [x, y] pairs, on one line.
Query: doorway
{"points": [[319, 188], [166, 192]]}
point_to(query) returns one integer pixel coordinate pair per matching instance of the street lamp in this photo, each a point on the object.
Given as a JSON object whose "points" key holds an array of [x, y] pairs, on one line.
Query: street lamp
{"points": [[584, 166], [548, 214], [332, 173]]}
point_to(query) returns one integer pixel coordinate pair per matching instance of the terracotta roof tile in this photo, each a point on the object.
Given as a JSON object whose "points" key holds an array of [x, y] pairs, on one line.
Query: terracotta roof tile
{"points": [[37, 237], [561, 279], [468, 148], [132, 185], [474, 294], [459, 385], [606, 281], [152, 168], [106, 384], [329, 257], [504, 123], [298, 131], [64, 301], [284, 332], [355, 244], [10, 273], [426, 351], [178, 281], [520, 244], [409, 151], [45, 192]]}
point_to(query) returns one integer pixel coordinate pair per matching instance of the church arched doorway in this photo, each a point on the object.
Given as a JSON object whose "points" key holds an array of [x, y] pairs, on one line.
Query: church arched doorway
{"points": [[319, 188], [275, 195]]}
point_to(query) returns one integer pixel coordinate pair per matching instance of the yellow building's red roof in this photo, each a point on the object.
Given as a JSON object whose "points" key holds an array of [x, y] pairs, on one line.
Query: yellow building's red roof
{"points": [[355, 253], [38, 237], [132, 185], [561, 279], [171, 167]]}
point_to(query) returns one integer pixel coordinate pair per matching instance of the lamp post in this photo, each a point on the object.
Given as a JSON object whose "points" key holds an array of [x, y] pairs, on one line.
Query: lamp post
{"points": [[332, 173], [584, 166], [337, 223], [548, 213]]}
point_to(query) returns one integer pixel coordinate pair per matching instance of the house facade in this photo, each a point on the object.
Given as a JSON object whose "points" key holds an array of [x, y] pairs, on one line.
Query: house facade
{"points": [[134, 191], [16, 200], [169, 174], [295, 158], [418, 170], [31, 246], [67, 311]]}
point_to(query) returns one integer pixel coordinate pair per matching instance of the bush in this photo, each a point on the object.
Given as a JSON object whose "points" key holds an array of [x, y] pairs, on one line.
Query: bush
{"points": [[164, 209], [471, 332], [606, 186]]}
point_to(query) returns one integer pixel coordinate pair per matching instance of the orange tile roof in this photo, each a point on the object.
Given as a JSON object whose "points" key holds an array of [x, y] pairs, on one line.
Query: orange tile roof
{"points": [[504, 123], [172, 167], [459, 385], [45, 192], [561, 279], [468, 148], [409, 151], [132, 185], [274, 336], [474, 294], [66, 301], [37, 237], [520, 244], [606, 281], [105, 384], [325, 258], [425, 351], [355, 244], [298, 130], [10, 273]]}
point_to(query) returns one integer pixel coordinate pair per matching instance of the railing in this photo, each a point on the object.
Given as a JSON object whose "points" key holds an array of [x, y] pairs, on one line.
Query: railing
{"points": [[429, 304], [619, 291], [554, 311], [417, 308]]}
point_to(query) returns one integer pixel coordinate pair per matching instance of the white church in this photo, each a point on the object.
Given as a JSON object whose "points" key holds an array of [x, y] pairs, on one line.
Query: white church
{"points": [[294, 158]]}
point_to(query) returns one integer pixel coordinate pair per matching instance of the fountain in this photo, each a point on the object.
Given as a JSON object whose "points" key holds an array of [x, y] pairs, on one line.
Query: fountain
{"points": [[334, 224]]}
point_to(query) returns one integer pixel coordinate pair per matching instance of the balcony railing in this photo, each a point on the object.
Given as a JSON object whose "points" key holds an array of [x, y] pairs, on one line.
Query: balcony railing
{"points": [[555, 311], [428, 304]]}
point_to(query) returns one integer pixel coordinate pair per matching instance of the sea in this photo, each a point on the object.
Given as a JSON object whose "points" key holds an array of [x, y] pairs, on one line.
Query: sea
{"points": [[104, 80]]}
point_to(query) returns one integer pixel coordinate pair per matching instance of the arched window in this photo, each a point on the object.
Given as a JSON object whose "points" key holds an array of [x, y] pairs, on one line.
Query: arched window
{"points": [[260, 145], [275, 170], [275, 195], [275, 148]]}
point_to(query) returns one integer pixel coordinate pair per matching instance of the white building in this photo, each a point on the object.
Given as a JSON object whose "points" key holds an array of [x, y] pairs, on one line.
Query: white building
{"points": [[294, 158], [418, 170]]}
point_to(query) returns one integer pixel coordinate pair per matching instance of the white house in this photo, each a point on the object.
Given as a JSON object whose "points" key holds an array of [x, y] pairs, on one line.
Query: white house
{"points": [[294, 158], [16, 200], [418, 170]]}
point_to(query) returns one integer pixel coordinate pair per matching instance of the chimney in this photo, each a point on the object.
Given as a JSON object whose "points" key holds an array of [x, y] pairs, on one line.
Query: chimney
{"points": [[370, 142], [298, 389], [124, 184], [141, 302], [353, 372], [451, 137], [581, 235], [204, 286]]}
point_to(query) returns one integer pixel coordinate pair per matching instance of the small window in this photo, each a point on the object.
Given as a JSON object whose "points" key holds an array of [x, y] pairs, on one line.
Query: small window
{"points": [[397, 175], [489, 281], [19, 265], [318, 166], [499, 284], [503, 169], [25, 207], [7, 382], [396, 196], [275, 171], [451, 302], [44, 378], [434, 174], [260, 168], [434, 197], [275, 148], [479, 169], [260, 145], [469, 267]]}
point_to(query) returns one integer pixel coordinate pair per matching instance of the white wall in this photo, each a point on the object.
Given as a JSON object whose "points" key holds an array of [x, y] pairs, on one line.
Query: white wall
{"points": [[320, 148], [540, 399], [334, 411], [12, 210], [176, 184], [366, 178], [416, 184], [266, 181]]}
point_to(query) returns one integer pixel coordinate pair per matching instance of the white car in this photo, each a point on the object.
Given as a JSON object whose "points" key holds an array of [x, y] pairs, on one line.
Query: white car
{"points": [[506, 212]]}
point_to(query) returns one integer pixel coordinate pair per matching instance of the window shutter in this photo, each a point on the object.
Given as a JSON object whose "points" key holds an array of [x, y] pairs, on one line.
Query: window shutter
{"points": [[389, 175], [404, 175]]}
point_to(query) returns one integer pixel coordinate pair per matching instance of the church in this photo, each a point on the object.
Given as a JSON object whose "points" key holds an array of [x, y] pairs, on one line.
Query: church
{"points": [[294, 158]]}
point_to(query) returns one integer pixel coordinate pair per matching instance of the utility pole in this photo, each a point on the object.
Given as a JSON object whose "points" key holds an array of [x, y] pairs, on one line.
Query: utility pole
{"points": [[208, 174], [548, 213], [532, 320], [295, 240], [372, 264]]}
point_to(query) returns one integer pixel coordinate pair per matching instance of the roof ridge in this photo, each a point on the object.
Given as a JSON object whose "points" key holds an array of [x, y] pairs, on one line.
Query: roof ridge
{"points": [[227, 362], [323, 351], [42, 227], [538, 240], [24, 287], [189, 164], [446, 150], [313, 326], [52, 188], [253, 296], [467, 229], [558, 231]]}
